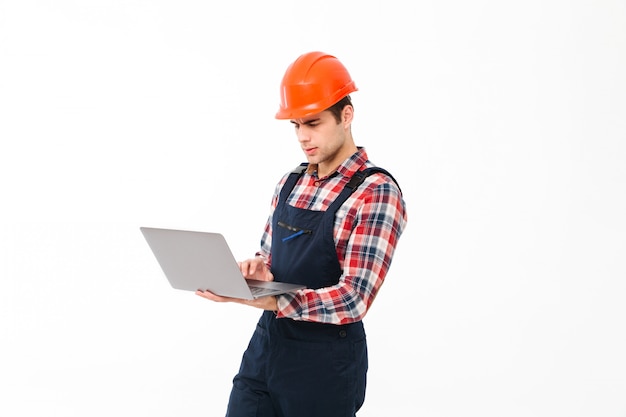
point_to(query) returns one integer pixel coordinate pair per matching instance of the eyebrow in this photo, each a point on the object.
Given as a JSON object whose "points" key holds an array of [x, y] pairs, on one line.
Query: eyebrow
{"points": [[308, 122]]}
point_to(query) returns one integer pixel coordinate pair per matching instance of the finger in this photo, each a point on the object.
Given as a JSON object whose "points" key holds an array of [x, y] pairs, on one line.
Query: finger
{"points": [[244, 267], [249, 269], [209, 295]]}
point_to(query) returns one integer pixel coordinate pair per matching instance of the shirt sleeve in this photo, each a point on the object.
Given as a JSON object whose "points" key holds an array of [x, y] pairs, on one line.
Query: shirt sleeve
{"points": [[378, 224], [266, 238]]}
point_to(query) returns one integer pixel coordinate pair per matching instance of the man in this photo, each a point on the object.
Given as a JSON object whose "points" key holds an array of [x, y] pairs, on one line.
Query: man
{"points": [[334, 224]]}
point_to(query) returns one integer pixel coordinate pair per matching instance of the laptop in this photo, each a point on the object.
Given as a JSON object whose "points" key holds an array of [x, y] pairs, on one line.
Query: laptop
{"points": [[193, 260]]}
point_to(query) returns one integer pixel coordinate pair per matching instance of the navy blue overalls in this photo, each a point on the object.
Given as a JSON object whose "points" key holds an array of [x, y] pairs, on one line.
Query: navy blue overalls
{"points": [[297, 368]]}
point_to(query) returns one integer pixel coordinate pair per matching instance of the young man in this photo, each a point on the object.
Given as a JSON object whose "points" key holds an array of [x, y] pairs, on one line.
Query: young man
{"points": [[334, 225]]}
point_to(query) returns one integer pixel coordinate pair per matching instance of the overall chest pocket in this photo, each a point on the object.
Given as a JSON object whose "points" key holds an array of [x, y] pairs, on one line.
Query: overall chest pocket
{"points": [[292, 231]]}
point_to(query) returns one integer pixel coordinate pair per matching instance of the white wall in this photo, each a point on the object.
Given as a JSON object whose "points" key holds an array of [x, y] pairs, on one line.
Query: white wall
{"points": [[505, 123]]}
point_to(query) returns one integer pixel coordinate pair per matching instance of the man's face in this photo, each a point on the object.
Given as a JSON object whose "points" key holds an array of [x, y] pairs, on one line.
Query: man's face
{"points": [[322, 139]]}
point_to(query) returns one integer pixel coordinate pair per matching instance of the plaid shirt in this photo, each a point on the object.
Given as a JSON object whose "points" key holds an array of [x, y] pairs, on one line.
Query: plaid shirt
{"points": [[366, 232]]}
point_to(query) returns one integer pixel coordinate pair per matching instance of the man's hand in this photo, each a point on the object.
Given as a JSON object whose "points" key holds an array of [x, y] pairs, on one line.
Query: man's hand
{"points": [[255, 268], [264, 303]]}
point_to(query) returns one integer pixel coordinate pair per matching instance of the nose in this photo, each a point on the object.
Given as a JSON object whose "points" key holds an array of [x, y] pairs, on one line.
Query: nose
{"points": [[303, 134]]}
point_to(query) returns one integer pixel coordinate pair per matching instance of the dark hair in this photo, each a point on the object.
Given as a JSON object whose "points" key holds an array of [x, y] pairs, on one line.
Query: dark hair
{"points": [[337, 108]]}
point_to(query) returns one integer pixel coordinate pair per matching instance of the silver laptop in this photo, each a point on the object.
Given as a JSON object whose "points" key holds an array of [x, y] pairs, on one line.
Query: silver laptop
{"points": [[203, 261]]}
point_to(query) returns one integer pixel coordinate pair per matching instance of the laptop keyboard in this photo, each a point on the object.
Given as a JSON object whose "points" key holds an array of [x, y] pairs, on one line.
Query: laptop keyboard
{"points": [[258, 290]]}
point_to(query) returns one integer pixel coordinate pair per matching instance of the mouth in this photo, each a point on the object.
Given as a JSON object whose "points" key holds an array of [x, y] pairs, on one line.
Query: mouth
{"points": [[309, 151]]}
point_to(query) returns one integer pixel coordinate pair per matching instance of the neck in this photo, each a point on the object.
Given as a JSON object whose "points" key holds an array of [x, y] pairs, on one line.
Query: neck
{"points": [[326, 168]]}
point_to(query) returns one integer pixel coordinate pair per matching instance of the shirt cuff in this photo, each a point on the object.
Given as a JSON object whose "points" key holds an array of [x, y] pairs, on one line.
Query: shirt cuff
{"points": [[285, 303]]}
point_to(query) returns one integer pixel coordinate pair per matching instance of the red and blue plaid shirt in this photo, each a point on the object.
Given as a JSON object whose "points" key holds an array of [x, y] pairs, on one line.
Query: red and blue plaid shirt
{"points": [[367, 228]]}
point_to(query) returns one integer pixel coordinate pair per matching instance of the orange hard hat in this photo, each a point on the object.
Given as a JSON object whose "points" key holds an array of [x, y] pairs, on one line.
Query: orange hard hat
{"points": [[312, 83]]}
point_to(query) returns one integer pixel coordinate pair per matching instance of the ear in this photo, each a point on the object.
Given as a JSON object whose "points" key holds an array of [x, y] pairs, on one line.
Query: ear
{"points": [[347, 114]]}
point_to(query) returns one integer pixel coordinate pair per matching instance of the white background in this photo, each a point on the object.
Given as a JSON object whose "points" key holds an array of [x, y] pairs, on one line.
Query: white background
{"points": [[504, 122]]}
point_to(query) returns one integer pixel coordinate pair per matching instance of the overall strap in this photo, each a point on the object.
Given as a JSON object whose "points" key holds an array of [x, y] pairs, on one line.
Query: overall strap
{"points": [[291, 181], [356, 180]]}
